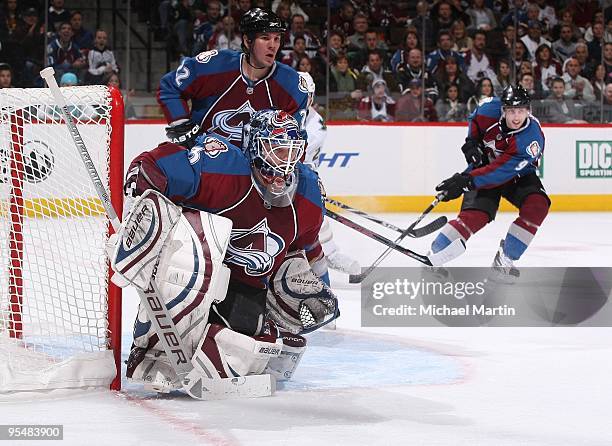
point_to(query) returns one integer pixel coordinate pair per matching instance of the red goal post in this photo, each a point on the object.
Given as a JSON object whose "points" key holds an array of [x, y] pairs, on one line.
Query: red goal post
{"points": [[60, 316]]}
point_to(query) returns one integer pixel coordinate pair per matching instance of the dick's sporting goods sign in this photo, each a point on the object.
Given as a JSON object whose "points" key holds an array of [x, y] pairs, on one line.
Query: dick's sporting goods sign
{"points": [[593, 159]]}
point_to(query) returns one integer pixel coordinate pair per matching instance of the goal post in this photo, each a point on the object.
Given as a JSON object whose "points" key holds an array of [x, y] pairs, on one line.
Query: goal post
{"points": [[60, 316]]}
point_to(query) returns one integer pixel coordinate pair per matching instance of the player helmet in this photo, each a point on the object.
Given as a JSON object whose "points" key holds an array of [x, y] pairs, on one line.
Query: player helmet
{"points": [[259, 20], [515, 96], [273, 142]]}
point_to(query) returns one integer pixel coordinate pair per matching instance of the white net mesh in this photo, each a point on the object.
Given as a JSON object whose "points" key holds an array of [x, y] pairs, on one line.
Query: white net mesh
{"points": [[53, 270]]}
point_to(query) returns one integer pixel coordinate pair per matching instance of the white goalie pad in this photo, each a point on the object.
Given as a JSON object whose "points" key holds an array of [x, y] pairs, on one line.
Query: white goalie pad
{"points": [[187, 254], [297, 299]]}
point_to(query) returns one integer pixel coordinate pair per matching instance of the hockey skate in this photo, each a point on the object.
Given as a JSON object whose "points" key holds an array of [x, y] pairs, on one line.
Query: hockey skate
{"points": [[503, 269], [343, 263], [152, 369]]}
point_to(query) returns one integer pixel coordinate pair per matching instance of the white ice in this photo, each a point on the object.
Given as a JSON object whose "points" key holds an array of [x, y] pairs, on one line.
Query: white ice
{"points": [[388, 386]]}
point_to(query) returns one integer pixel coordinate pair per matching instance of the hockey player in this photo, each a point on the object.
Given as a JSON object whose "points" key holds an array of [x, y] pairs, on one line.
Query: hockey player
{"points": [[226, 87], [275, 206], [504, 144], [317, 132]]}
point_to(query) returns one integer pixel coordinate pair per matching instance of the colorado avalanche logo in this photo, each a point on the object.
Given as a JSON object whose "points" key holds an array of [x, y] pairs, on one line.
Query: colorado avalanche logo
{"points": [[230, 121], [254, 249], [533, 149]]}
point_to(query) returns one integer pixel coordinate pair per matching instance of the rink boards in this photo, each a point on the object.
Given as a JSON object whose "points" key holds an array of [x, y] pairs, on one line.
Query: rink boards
{"points": [[395, 167]]}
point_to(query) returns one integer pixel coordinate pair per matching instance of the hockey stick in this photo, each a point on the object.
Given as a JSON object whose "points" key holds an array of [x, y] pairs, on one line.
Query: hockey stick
{"points": [[358, 278], [169, 338], [379, 238], [414, 233]]}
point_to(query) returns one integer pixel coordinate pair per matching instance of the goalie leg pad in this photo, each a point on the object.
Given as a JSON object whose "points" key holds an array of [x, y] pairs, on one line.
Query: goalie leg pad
{"points": [[231, 354], [190, 276], [298, 300], [283, 366]]}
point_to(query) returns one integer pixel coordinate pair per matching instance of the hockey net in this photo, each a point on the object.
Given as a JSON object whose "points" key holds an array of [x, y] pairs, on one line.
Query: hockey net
{"points": [[59, 314]]}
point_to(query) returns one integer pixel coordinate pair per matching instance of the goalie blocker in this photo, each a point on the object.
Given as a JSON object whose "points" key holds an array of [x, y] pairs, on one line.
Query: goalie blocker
{"points": [[223, 328]]}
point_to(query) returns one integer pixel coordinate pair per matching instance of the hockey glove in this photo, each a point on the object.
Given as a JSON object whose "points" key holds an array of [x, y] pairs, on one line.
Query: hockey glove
{"points": [[456, 185], [471, 151], [183, 133]]}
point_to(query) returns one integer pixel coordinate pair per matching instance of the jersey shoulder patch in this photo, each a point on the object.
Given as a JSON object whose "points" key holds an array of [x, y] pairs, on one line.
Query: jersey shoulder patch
{"points": [[218, 155], [530, 142]]}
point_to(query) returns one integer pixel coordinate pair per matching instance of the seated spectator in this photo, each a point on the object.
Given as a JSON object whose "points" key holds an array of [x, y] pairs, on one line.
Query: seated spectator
{"points": [[565, 47], [527, 81], [283, 11], [502, 78], [576, 86], [443, 16], [30, 35], [243, 6], [411, 41], [182, 19], [57, 15], [343, 22], [413, 69], [595, 46], [546, 68], [484, 90], [412, 107], [356, 41], [463, 42], [299, 51], [81, 36], [548, 15], [336, 45], [377, 106], [226, 37], [476, 61], [113, 81], [374, 70], [598, 17], [520, 55], [10, 15], [63, 54], [373, 43], [6, 76], [343, 77], [481, 17], [205, 27], [422, 22], [101, 60], [587, 64], [599, 81], [450, 109], [451, 74], [387, 13], [607, 61], [534, 38], [437, 58], [294, 7], [567, 19], [520, 10], [298, 29]]}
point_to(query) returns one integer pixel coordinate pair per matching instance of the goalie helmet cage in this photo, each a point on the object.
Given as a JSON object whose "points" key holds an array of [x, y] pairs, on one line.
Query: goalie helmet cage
{"points": [[60, 316]]}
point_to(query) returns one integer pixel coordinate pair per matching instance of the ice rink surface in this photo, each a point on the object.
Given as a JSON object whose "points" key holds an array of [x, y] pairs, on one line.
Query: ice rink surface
{"points": [[388, 386]]}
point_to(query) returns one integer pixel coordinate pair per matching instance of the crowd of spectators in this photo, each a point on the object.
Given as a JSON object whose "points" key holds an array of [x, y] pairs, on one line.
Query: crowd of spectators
{"points": [[70, 47], [401, 60]]}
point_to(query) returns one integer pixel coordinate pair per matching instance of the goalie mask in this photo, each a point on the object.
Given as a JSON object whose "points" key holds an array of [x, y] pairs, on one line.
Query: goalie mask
{"points": [[274, 145]]}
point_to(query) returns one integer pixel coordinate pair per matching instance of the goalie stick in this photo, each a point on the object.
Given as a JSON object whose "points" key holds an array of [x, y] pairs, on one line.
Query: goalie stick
{"points": [[379, 238], [358, 278], [414, 233], [197, 381]]}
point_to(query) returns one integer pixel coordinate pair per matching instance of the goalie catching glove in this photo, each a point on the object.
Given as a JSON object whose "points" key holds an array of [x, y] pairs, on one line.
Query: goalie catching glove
{"points": [[297, 299]]}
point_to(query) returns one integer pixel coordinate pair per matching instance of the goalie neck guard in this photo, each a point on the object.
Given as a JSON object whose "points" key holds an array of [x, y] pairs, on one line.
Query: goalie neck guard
{"points": [[273, 143]]}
